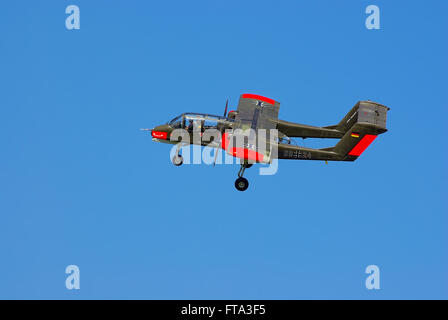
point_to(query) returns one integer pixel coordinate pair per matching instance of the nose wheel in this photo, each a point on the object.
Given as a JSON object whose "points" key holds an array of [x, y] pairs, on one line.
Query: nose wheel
{"points": [[241, 184], [177, 160]]}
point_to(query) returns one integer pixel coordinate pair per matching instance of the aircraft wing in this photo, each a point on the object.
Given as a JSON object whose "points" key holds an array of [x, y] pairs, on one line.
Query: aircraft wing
{"points": [[254, 112]]}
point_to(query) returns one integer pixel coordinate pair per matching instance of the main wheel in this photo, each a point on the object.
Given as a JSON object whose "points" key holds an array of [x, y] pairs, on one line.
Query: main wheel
{"points": [[177, 160], [241, 184]]}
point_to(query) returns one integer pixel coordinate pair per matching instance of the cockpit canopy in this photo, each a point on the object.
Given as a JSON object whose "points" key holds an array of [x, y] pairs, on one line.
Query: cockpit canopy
{"points": [[195, 121], [176, 122]]}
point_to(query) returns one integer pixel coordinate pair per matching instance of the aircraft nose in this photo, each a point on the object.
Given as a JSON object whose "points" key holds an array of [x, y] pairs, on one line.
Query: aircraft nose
{"points": [[160, 132]]}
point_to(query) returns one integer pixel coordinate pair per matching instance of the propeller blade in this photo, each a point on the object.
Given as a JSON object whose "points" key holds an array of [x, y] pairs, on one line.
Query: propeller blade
{"points": [[225, 110]]}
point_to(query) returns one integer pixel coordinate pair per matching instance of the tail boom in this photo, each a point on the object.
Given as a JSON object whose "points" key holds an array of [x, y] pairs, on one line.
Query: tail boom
{"points": [[358, 129]]}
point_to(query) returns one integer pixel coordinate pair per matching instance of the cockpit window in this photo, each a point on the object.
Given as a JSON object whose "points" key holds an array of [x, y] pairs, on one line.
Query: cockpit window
{"points": [[176, 122], [195, 122], [210, 124], [200, 122]]}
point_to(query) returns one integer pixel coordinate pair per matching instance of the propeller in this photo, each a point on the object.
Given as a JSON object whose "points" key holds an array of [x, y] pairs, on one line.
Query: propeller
{"points": [[225, 110]]}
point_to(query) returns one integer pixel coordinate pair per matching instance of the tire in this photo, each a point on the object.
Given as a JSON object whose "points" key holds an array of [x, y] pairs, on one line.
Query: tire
{"points": [[241, 184], [177, 160]]}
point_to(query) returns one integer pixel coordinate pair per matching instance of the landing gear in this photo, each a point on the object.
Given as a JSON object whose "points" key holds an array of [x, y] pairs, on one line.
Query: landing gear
{"points": [[246, 164], [241, 184], [177, 160]]}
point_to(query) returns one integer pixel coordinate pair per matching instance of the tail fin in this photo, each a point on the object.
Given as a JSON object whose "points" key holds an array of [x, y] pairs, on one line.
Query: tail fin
{"points": [[362, 124]]}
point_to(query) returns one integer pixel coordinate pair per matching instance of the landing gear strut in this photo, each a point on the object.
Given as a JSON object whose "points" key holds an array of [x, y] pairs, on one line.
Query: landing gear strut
{"points": [[241, 184], [177, 160]]}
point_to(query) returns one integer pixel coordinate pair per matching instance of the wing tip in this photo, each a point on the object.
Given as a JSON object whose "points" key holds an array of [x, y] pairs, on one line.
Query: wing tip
{"points": [[258, 97]]}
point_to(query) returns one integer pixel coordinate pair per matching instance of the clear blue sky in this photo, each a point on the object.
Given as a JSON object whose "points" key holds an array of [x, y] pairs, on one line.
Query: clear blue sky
{"points": [[80, 184]]}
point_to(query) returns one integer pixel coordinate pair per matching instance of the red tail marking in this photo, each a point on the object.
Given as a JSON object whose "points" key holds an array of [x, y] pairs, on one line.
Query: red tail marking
{"points": [[362, 145]]}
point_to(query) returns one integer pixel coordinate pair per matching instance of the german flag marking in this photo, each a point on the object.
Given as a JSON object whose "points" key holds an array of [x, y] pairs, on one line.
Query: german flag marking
{"points": [[355, 135]]}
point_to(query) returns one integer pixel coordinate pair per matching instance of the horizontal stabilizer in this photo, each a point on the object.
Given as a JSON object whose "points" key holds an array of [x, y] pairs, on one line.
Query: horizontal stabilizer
{"points": [[361, 125]]}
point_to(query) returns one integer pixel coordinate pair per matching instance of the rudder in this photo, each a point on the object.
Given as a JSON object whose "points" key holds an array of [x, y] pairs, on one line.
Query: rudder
{"points": [[364, 122]]}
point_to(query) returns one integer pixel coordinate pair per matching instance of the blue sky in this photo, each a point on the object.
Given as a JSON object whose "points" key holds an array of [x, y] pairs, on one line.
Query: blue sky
{"points": [[80, 184]]}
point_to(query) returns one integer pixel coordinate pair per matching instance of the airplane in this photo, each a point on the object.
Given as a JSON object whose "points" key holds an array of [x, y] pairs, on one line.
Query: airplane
{"points": [[356, 131]]}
